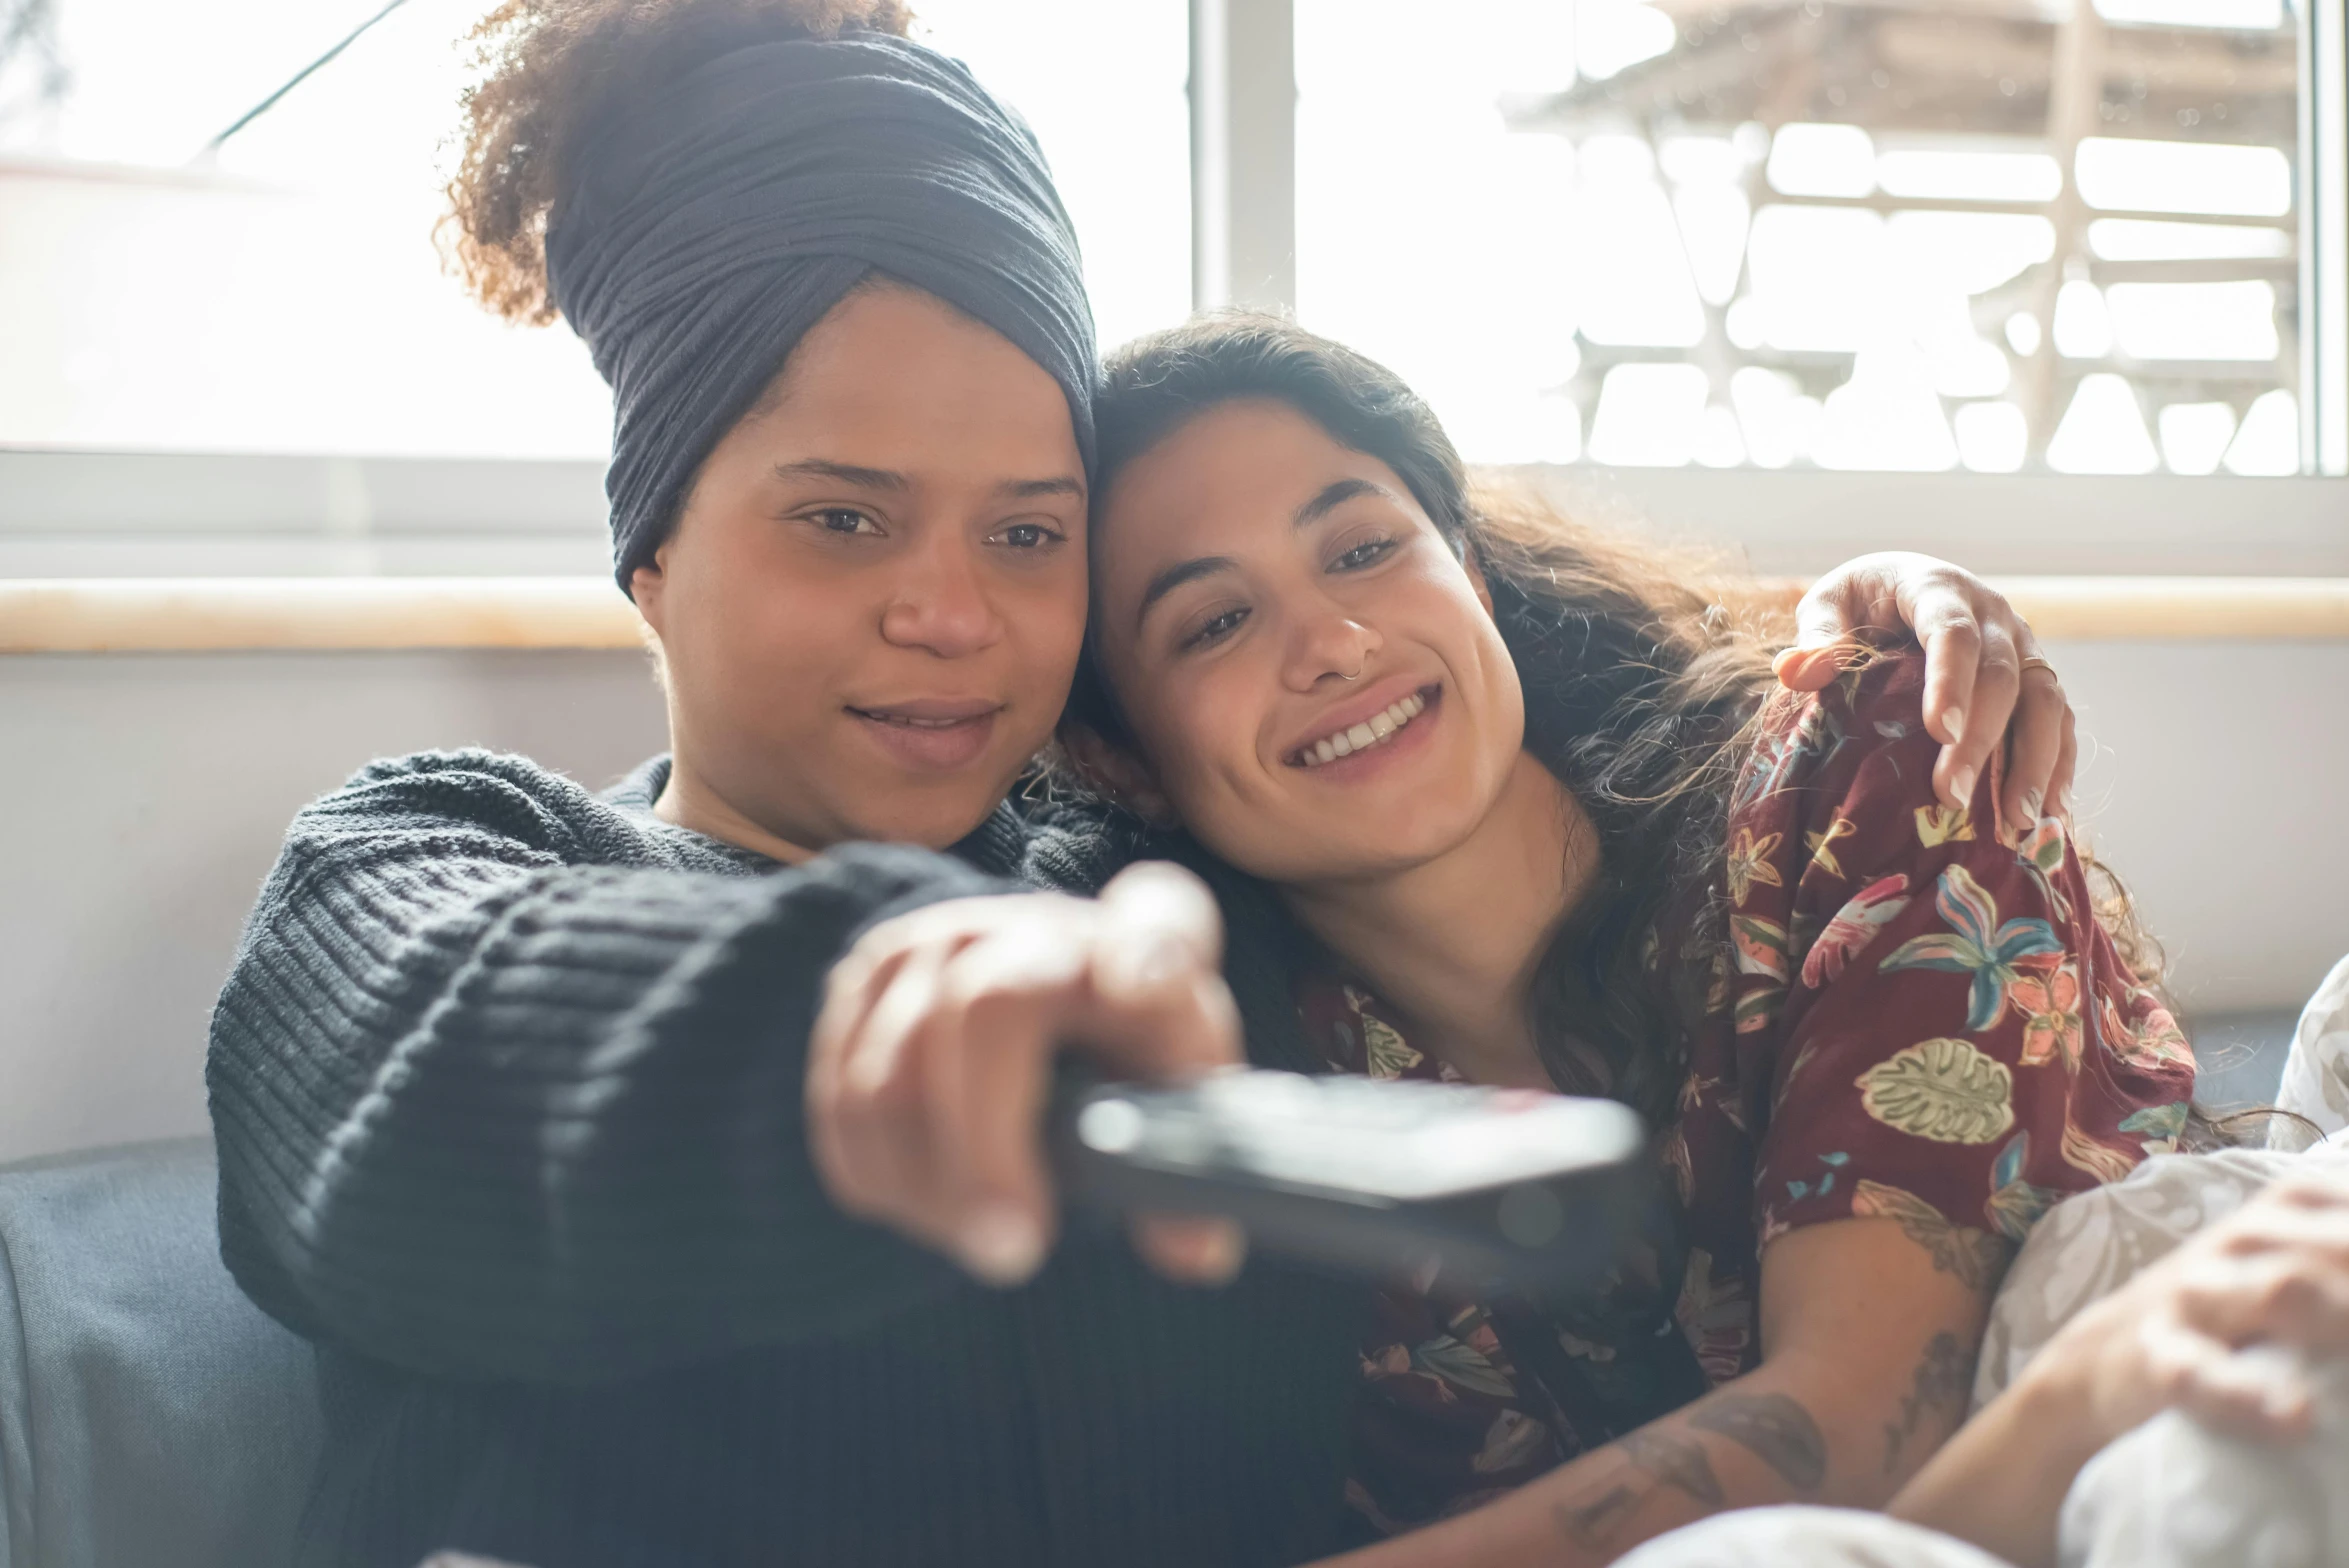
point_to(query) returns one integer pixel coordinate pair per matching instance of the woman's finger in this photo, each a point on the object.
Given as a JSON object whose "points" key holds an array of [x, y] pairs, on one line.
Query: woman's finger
{"points": [[869, 1126], [2067, 767], [1939, 607], [998, 1034], [1981, 724], [2036, 748]]}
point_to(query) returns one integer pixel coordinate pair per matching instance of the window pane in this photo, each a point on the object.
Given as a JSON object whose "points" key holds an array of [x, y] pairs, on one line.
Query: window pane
{"points": [[286, 296], [1882, 234]]}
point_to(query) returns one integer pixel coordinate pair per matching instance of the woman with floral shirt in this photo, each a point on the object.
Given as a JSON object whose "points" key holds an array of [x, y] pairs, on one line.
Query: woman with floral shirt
{"points": [[1528, 791]]}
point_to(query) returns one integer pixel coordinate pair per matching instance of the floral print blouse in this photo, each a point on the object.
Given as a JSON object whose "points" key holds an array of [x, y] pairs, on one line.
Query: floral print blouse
{"points": [[1914, 1016]]}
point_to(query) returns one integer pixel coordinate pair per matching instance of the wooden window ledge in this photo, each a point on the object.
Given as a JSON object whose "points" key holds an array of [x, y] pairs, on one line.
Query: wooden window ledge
{"points": [[330, 614]]}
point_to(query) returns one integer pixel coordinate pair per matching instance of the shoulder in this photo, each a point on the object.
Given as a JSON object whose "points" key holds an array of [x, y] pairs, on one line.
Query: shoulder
{"points": [[471, 796]]}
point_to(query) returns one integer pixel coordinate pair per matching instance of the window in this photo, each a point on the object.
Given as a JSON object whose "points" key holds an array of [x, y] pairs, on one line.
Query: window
{"points": [[282, 294], [1993, 235]]}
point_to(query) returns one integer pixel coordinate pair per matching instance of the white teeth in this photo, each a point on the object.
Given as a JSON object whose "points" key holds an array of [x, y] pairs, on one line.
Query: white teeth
{"points": [[1361, 737]]}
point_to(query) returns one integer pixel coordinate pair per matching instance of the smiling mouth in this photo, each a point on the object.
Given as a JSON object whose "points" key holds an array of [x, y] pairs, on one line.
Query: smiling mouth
{"points": [[932, 736], [1366, 734]]}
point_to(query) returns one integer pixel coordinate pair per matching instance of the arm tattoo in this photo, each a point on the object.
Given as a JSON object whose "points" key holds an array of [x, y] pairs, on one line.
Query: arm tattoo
{"points": [[1976, 1257], [1942, 1383], [1778, 1430], [1675, 1461], [1771, 1425], [1591, 1523], [1665, 1459]]}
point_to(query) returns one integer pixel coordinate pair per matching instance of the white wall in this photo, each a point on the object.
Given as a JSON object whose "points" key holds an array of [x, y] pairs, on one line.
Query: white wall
{"points": [[142, 797]]}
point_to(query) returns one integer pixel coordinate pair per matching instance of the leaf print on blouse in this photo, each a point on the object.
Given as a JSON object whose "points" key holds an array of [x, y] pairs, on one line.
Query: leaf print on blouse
{"points": [[1462, 1366], [1939, 825], [1855, 925], [2015, 1205], [1385, 1053], [1822, 845], [2161, 1125], [1749, 862], [2154, 1043], [2048, 996], [1761, 946], [2042, 855], [1976, 944], [1943, 1090], [2100, 1160]]}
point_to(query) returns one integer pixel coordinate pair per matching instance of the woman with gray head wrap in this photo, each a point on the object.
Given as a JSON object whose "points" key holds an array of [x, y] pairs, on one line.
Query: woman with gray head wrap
{"points": [[713, 224]]}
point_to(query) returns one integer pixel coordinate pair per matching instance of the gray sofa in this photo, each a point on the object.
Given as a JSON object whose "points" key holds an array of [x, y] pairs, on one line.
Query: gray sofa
{"points": [[150, 1416]]}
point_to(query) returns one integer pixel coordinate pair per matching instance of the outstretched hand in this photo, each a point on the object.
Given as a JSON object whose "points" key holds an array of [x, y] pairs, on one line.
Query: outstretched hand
{"points": [[1976, 680], [931, 1060]]}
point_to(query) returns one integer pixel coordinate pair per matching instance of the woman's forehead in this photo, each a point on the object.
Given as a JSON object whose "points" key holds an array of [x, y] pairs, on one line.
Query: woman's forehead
{"points": [[1244, 474]]}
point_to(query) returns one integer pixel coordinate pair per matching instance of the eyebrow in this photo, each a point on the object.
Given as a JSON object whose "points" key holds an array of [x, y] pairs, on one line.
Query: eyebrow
{"points": [[890, 479], [1325, 501], [1331, 497], [845, 473], [1027, 489], [1173, 577]]}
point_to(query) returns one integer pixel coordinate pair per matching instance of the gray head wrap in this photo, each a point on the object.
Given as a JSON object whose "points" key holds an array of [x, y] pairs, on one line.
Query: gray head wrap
{"points": [[716, 221]]}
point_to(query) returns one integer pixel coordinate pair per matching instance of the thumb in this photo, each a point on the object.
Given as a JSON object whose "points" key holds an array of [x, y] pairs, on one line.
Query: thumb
{"points": [[1160, 923], [1825, 639]]}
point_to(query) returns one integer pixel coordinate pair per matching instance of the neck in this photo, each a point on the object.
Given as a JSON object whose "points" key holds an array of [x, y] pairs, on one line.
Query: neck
{"points": [[1455, 942], [688, 801]]}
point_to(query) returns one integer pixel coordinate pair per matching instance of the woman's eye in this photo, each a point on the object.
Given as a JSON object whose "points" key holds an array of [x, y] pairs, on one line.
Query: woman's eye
{"points": [[1029, 536], [844, 520], [1214, 629], [1362, 555]]}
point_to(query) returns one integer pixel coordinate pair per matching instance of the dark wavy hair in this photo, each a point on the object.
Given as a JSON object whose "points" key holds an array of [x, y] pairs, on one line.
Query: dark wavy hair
{"points": [[1643, 670]]}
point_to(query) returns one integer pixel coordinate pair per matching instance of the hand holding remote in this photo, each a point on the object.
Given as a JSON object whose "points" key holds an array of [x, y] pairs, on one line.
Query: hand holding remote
{"points": [[931, 1061]]}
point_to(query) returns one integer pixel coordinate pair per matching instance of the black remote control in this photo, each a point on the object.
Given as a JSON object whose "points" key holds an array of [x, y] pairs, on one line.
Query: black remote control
{"points": [[1487, 1189]]}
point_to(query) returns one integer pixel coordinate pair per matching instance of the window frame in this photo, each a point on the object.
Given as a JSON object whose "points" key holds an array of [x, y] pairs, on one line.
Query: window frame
{"points": [[96, 513]]}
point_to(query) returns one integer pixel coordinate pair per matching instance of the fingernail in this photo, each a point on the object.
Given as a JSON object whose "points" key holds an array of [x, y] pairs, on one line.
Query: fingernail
{"points": [[1954, 721], [2032, 800], [1961, 784], [1002, 1246]]}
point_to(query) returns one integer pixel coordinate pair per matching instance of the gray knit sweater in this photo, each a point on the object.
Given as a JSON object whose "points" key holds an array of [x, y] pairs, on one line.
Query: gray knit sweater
{"points": [[506, 1083]]}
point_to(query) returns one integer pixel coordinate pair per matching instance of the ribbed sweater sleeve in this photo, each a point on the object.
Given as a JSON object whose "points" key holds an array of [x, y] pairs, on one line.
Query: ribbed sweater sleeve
{"points": [[506, 1084]]}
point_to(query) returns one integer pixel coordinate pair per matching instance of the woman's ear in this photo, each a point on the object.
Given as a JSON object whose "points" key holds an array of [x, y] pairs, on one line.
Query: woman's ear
{"points": [[1117, 773], [646, 585]]}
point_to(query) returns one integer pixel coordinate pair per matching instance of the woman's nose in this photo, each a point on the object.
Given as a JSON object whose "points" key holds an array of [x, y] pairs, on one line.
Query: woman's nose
{"points": [[1329, 646], [941, 604]]}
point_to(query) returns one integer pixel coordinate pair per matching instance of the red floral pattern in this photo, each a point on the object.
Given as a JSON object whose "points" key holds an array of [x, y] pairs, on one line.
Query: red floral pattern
{"points": [[1918, 1013]]}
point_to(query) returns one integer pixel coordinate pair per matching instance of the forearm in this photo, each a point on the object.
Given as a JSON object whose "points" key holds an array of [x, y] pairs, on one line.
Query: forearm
{"points": [[544, 1122], [1801, 1428], [2000, 1481]]}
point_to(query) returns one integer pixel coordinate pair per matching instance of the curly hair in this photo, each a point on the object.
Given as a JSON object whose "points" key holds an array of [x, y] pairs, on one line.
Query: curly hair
{"points": [[553, 68]]}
